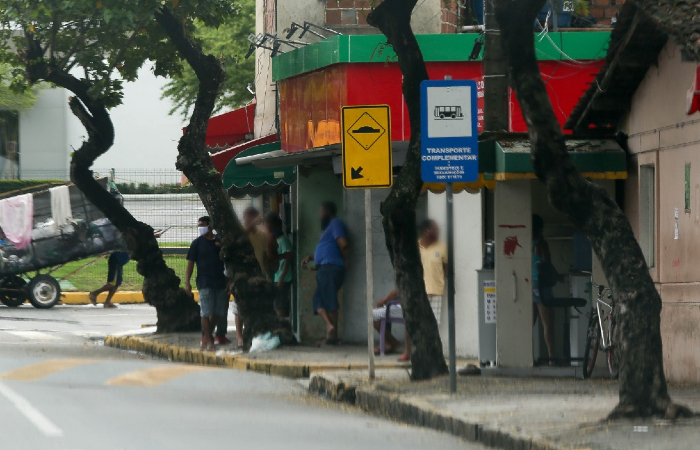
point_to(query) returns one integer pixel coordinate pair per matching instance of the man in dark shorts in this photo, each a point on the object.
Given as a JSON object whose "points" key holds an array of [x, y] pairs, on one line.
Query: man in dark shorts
{"points": [[211, 282], [330, 259], [115, 276]]}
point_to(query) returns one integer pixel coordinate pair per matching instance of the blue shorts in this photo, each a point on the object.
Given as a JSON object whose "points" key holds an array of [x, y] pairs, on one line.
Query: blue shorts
{"points": [[329, 280], [213, 302], [543, 295], [115, 268]]}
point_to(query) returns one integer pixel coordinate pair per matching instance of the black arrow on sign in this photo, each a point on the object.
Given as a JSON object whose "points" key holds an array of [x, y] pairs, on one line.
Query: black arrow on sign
{"points": [[356, 173]]}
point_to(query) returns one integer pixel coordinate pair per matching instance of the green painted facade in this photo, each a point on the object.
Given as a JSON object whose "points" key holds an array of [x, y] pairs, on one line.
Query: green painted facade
{"points": [[436, 47]]}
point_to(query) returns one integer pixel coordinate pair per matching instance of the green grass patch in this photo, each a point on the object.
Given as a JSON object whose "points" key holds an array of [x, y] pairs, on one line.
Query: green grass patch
{"points": [[26, 186], [174, 244], [94, 276]]}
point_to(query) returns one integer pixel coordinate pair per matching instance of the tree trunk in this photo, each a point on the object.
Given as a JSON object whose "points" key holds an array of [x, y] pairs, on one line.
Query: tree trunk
{"points": [[176, 310], [643, 390], [254, 294], [393, 18]]}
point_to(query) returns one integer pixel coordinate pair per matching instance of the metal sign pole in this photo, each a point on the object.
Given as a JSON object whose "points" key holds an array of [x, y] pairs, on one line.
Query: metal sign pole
{"points": [[449, 154], [451, 287], [370, 281]]}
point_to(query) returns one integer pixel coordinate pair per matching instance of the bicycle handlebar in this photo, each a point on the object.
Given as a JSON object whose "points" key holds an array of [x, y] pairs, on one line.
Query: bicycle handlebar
{"points": [[601, 288]]}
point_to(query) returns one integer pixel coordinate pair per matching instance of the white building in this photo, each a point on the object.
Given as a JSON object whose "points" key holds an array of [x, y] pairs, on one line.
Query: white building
{"points": [[145, 134]]}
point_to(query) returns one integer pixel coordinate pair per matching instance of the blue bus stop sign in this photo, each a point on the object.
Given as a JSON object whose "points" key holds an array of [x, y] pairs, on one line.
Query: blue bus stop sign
{"points": [[450, 139]]}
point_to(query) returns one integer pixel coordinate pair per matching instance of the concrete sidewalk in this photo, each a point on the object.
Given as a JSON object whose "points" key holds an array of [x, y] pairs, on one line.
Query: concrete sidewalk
{"points": [[290, 362], [515, 413]]}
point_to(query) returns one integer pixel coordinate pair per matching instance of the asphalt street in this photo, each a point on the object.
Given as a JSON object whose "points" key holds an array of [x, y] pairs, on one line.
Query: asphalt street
{"points": [[61, 389]]}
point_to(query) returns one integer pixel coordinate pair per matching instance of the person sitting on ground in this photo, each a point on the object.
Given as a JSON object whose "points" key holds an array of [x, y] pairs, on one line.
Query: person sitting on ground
{"points": [[211, 282], [282, 257], [330, 258], [391, 343]]}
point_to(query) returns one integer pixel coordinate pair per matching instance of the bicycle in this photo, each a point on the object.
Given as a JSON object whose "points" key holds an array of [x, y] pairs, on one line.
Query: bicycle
{"points": [[601, 333]]}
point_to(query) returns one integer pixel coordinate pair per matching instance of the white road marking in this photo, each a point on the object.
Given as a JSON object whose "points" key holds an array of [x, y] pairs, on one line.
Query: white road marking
{"points": [[30, 412], [87, 334], [34, 335], [140, 331]]}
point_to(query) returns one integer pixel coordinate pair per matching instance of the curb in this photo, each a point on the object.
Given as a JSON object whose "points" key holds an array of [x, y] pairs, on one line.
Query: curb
{"points": [[335, 390], [412, 411], [123, 297], [191, 355]]}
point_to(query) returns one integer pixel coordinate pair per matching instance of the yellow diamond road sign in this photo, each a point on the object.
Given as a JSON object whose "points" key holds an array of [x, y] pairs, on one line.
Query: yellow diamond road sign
{"points": [[367, 157]]}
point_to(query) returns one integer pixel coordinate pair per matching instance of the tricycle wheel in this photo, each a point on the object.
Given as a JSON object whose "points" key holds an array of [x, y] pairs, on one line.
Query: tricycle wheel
{"points": [[13, 299], [44, 291]]}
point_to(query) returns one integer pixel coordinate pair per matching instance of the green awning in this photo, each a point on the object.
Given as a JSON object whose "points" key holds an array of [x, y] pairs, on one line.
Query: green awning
{"points": [[509, 159], [246, 179], [589, 45], [594, 158]]}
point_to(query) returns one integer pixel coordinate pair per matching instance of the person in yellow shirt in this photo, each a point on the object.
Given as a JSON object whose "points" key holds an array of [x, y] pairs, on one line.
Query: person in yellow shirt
{"points": [[433, 255]]}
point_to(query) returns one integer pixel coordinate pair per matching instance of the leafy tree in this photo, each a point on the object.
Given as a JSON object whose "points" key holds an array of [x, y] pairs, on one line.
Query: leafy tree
{"points": [[393, 18], [91, 48], [253, 292], [230, 43], [11, 98], [643, 388]]}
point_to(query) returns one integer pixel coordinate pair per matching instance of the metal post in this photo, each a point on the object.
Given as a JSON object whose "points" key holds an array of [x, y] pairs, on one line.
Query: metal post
{"points": [[555, 15], [451, 287], [370, 281]]}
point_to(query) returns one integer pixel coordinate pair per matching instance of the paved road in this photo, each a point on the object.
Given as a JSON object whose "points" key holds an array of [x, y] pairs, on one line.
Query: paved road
{"points": [[60, 389], [71, 331]]}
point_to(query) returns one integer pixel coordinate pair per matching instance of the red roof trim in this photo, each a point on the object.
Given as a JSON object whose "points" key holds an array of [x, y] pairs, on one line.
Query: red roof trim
{"points": [[694, 93], [230, 128], [222, 158]]}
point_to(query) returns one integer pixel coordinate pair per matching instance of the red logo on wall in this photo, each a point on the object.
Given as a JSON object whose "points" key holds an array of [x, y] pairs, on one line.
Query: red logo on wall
{"points": [[510, 244]]}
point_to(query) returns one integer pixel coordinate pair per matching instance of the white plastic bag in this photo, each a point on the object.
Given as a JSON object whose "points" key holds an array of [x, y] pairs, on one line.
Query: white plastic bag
{"points": [[264, 343]]}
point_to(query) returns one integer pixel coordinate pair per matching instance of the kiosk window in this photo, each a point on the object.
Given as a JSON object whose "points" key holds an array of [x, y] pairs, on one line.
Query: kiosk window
{"points": [[647, 212]]}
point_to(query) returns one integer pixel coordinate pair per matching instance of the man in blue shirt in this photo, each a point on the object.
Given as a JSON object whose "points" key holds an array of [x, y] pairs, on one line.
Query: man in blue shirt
{"points": [[211, 282], [330, 259]]}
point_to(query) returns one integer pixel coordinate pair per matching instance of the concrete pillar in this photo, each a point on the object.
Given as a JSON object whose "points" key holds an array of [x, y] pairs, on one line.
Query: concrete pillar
{"points": [[468, 255], [513, 238]]}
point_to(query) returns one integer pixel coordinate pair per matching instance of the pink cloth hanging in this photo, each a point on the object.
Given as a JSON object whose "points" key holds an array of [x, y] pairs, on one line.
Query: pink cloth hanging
{"points": [[17, 219]]}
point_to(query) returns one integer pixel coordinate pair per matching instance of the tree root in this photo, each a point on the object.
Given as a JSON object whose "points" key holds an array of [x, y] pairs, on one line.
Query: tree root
{"points": [[664, 410]]}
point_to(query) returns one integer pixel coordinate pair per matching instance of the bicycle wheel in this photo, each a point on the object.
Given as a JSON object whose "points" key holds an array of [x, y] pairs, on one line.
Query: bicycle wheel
{"points": [[592, 344], [613, 354]]}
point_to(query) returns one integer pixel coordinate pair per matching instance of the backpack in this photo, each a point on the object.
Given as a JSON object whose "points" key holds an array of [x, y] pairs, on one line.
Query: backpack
{"points": [[547, 274]]}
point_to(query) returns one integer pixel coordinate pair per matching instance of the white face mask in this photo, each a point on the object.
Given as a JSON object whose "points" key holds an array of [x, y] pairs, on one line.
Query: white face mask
{"points": [[203, 230]]}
